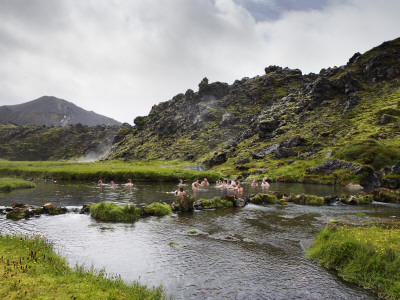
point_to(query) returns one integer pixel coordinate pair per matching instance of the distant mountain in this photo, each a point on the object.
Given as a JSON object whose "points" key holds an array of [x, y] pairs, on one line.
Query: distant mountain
{"points": [[49, 111]]}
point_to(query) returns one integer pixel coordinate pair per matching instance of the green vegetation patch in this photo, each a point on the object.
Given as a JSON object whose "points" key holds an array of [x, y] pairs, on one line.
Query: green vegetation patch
{"points": [[158, 209], [385, 196], [370, 152], [307, 199], [113, 212], [10, 184], [32, 270], [369, 256], [264, 199], [108, 170]]}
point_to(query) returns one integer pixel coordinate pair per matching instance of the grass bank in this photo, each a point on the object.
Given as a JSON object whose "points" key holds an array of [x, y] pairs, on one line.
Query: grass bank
{"points": [[369, 256], [32, 270], [107, 170], [10, 184]]}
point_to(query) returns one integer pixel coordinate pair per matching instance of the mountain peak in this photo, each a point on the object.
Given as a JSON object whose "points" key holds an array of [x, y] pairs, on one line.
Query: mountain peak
{"points": [[50, 110]]}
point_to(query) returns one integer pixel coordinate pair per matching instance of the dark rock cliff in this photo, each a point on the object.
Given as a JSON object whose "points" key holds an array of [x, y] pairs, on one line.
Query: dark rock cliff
{"points": [[256, 118]]}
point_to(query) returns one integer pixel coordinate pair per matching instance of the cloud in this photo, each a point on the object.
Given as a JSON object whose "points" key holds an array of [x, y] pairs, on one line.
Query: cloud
{"points": [[119, 58]]}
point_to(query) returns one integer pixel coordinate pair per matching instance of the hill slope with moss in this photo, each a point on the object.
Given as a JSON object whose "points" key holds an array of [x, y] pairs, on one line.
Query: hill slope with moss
{"points": [[282, 124], [32, 142]]}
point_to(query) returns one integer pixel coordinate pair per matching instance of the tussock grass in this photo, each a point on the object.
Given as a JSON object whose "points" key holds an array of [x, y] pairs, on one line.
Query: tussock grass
{"points": [[32, 270], [158, 209], [369, 256], [264, 199], [113, 212], [10, 184]]}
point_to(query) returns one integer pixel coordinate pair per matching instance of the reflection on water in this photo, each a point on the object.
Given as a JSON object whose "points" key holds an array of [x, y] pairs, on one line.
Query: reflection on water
{"points": [[251, 253]]}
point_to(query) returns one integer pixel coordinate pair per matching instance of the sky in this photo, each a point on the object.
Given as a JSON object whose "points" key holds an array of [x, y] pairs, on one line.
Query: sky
{"points": [[118, 58]]}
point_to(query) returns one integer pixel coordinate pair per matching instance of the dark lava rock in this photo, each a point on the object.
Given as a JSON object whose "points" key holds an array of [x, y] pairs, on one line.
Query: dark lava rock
{"points": [[242, 161], [283, 153], [329, 166], [217, 159], [271, 69], [261, 153], [396, 168], [293, 142], [371, 179], [390, 184], [267, 126], [354, 58], [351, 102]]}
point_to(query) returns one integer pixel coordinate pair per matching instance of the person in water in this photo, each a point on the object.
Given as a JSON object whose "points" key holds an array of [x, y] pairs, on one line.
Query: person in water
{"points": [[205, 183], [100, 183], [180, 192], [239, 189], [254, 183], [129, 183], [195, 185], [264, 183]]}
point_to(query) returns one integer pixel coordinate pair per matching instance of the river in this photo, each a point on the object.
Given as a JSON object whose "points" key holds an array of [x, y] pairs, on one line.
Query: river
{"points": [[255, 252]]}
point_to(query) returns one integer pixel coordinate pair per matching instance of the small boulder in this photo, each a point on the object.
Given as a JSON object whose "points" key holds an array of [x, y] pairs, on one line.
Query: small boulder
{"points": [[48, 206]]}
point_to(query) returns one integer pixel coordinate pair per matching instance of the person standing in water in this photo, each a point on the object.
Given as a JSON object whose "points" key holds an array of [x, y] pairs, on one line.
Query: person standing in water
{"points": [[264, 183], [195, 185], [129, 183]]}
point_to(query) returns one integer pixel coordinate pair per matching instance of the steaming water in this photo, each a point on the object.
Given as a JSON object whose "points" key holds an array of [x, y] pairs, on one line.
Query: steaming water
{"points": [[256, 252]]}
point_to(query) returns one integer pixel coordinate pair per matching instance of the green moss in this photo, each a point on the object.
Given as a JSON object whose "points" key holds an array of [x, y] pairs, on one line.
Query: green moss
{"points": [[282, 202], [307, 199], [16, 216], [113, 212], [158, 209], [383, 196], [370, 152], [191, 231], [364, 199], [264, 199], [207, 204]]}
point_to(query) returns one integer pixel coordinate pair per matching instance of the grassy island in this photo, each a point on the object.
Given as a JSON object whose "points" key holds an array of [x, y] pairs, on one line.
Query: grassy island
{"points": [[369, 256], [32, 270], [10, 184]]}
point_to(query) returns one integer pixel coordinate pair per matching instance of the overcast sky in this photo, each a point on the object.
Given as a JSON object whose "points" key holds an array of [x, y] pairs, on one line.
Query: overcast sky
{"points": [[120, 57]]}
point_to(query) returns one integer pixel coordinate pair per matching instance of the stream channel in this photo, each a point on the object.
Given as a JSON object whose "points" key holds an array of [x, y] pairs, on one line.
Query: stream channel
{"points": [[255, 252]]}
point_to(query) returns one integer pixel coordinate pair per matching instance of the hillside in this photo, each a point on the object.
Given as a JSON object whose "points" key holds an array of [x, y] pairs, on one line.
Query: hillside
{"points": [[282, 124], [32, 142], [51, 111]]}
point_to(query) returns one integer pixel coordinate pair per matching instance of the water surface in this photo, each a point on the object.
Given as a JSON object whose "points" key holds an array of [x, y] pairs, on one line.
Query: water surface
{"points": [[256, 252]]}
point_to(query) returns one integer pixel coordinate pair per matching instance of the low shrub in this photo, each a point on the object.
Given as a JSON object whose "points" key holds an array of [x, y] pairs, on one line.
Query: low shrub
{"points": [[114, 212], [158, 209]]}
